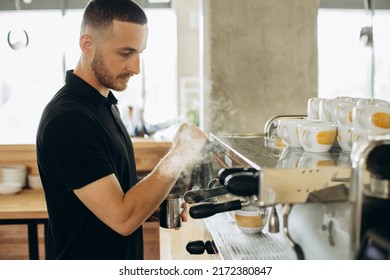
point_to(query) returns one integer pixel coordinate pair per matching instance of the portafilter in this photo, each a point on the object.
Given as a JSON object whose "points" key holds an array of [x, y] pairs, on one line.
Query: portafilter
{"points": [[238, 181]]}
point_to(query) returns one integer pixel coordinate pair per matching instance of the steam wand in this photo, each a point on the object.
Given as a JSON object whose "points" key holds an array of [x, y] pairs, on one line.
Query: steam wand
{"points": [[273, 224], [298, 250]]}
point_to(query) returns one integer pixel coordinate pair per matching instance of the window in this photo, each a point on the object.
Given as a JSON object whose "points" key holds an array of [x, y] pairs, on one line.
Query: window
{"points": [[346, 66], [30, 77]]}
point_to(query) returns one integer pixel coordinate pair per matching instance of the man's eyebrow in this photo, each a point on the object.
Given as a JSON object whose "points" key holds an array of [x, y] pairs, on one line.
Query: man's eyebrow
{"points": [[127, 49]]}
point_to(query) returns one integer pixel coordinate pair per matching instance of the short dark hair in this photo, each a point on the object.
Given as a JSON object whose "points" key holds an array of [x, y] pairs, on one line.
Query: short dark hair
{"points": [[99, 14]]}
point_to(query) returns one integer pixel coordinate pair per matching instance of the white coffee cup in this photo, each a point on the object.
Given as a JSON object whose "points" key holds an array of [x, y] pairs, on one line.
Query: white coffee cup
{"points": [[370, 101], [363, 101], [383, 104], [371, 117], [317, 137], [251, 219], [344, 137], [327, 109], [348, 98], [287, 130], [363, 135], [313, 107], [344, 114]]}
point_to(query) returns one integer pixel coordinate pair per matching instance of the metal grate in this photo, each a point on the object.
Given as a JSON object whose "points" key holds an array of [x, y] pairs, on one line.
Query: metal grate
{"points": [[233, 244]]}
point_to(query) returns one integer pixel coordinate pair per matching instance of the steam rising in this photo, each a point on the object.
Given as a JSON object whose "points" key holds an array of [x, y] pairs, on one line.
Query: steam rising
{"points": [[192, 160], [221, 115]]}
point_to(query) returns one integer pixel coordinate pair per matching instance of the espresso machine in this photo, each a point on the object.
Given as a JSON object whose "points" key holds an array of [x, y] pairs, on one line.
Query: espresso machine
{"points": [[332, 211], [372, 199]]}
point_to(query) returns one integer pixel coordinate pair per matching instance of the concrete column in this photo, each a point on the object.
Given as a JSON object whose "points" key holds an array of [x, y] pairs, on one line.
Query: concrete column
{"points": [[187, 12], [259, 59]]}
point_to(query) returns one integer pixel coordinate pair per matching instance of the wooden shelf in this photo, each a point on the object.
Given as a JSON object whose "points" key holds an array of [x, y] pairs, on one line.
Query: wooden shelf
{"points": [[148, 153]]}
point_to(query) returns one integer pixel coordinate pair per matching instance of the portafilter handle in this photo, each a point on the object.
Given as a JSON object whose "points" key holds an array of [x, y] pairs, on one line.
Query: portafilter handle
{"points": [[209, 209], [225, 172], [244, 183]]}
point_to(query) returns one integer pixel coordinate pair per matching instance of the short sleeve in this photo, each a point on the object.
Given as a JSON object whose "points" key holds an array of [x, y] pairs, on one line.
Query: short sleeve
{"points": [[74, 144]]}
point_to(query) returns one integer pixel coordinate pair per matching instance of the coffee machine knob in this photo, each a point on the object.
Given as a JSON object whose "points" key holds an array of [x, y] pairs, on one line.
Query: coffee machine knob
{"points": [[198, 247]]}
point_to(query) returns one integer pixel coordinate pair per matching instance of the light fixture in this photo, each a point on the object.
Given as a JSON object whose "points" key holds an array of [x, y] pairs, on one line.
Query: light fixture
{"points": [[18, 38]]}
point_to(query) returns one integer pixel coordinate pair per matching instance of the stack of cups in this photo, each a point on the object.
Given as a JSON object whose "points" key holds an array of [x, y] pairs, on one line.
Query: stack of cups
{"points": [[356, 118], [344, 123], [319, 136], [327, 108], [345, 119]]}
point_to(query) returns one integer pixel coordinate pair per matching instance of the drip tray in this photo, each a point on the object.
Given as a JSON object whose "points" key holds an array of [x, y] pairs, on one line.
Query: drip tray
{"points": [[232, 244]]}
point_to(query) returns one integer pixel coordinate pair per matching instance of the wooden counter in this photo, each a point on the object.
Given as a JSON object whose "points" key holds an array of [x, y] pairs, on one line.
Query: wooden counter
{"points": [[173, 242], [28, 204], [26, 208]]}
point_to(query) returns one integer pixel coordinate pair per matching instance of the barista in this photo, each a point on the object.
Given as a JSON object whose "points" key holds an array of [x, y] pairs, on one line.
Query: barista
{"points": [[85, 157]]}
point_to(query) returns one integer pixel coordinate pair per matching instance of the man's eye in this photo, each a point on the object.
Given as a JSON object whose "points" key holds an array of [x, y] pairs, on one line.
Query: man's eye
{"points": [[127, 53]]}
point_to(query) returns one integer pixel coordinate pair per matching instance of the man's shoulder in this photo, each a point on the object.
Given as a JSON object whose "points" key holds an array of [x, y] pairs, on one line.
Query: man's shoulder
{"points": [[66, 111], [64, 101]]}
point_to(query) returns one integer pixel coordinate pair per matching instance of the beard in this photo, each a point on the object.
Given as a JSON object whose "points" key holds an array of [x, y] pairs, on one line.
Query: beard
{"points": [[104, 76]]}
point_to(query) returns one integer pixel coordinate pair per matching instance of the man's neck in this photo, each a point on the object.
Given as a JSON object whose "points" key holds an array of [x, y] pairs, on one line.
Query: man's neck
{"points": [[89, 77]]}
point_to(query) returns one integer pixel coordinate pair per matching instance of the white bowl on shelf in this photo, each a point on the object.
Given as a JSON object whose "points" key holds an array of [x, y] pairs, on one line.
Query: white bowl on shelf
{"points": [[12, 169], [7, 188], [34, 181], [14, 173]]}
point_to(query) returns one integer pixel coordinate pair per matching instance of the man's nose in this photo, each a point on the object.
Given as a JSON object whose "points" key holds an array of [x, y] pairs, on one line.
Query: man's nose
{"points": [[134, 64]]}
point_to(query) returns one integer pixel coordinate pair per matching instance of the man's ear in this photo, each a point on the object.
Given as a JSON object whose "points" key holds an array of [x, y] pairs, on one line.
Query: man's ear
{"points": [[86, 44]]}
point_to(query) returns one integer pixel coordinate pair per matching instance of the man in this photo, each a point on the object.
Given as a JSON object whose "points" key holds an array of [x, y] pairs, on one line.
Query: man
{"points": [[85, 157]]}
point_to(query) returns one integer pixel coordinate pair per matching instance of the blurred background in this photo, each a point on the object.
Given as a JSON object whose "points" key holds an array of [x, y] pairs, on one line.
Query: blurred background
{"points": [[39, 42]]}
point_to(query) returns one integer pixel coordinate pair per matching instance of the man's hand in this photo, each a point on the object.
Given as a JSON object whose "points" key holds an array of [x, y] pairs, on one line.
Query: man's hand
{"points": [[184, 212], [157, 214]]}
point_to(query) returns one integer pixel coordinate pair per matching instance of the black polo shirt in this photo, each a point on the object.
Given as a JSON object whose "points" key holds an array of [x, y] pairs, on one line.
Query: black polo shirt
{"points": [[81, 139]]}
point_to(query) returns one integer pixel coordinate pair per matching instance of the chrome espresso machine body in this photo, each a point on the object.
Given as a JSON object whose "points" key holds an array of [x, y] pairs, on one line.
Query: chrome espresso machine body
{"points": [[319, 207]]}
